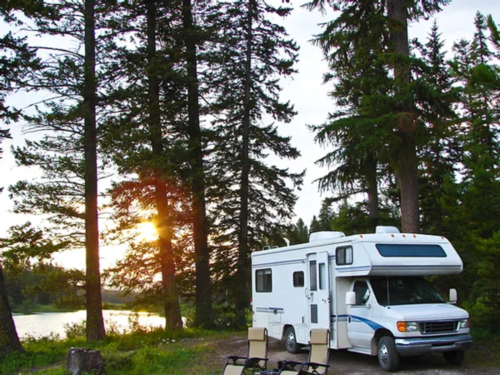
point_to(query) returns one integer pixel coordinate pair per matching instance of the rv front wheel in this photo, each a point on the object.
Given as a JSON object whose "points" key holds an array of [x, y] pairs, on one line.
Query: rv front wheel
{"points": [[291, 344], [388, 356], [454, 358]]}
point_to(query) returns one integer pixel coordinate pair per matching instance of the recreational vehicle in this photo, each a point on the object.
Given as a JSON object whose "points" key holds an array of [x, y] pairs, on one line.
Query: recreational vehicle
{"points": [[369, 290]]}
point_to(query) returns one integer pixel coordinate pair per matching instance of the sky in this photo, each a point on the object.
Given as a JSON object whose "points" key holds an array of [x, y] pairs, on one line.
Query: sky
{"points": [[305, 90]]}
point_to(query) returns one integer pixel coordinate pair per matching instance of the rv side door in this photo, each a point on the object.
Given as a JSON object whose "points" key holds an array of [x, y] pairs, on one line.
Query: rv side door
{"points": [[318, 290]]}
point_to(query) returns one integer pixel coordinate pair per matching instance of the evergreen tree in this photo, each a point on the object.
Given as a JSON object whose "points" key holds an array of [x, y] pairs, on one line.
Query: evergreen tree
{"points": [[190, 36], [381, 28], [146, 136], [95, 321], [248, 56], [67, 152], [474, 210], [440, 152], [17, 61], [352, 53], [298, 233]]}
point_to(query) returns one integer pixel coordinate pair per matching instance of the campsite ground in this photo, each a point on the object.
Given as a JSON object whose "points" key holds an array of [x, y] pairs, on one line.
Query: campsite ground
{"points": [[483, 359]]}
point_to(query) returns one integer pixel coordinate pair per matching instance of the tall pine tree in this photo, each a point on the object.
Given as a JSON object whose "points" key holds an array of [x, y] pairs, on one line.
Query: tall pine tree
{"points": [[67, 151], [249, 55]]}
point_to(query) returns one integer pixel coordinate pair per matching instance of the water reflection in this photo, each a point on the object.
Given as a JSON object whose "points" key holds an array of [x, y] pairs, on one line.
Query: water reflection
{"points": [[43, 324]]}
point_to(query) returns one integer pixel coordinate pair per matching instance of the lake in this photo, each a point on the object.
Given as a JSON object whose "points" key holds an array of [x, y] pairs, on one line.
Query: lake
{"points": [[43, 324]]}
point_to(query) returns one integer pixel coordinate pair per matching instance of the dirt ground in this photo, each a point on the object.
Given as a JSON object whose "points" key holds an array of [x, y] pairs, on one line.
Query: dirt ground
{"points": [[479, 361]]}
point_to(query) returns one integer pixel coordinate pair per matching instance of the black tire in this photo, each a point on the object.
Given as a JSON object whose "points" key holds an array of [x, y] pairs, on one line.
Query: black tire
{"points": [[291, 344], [454, 358], [388, 356]]}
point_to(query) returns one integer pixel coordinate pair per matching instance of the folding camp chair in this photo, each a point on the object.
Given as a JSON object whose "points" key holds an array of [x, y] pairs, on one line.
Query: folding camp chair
{"points": [[317, 364], [256, 359]]}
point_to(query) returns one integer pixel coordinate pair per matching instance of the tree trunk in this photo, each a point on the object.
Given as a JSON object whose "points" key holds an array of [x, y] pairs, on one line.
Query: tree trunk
{"points": [[204, 313], [9, 341], [407, 167], [242, 297], [163, 223], [95, 322]]}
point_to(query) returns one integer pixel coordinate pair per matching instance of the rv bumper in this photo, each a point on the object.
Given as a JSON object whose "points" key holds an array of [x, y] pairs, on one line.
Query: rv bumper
{"points": [[423, 345]]}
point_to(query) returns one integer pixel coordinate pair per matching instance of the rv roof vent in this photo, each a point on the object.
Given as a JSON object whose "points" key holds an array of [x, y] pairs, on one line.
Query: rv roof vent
{"points": [[381, 229], [321, 236]]}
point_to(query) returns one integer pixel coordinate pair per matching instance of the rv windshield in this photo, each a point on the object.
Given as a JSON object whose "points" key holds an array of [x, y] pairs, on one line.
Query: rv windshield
{"points": [[404, 291]]}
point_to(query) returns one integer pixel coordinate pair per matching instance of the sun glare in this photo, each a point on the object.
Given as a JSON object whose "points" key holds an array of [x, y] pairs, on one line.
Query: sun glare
{"points": [[147, 232]]}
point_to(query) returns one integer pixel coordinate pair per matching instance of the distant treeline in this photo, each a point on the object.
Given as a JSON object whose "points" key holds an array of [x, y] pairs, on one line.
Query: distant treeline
{"points": [[32, 288]]}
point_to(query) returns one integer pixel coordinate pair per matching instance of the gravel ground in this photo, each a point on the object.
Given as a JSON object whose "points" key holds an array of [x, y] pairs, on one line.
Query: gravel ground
{"points": [[477, 362]]}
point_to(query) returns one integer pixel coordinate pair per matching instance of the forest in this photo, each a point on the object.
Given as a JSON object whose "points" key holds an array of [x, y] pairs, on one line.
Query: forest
{"points": [[166, 112]]}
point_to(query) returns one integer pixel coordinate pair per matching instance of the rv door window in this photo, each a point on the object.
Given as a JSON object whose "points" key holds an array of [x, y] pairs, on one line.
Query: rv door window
{"points": [[313, 276], [298, 279], [343, 255], [322, 276], [264, 280]]}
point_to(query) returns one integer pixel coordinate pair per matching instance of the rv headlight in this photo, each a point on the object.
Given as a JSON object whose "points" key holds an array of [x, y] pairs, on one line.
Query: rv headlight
{"points": [[407, 326], [463, 323]]}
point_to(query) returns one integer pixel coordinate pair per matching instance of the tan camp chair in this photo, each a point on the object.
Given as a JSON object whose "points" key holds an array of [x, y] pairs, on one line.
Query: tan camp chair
{"points": [[317, 364], [255, 361]]}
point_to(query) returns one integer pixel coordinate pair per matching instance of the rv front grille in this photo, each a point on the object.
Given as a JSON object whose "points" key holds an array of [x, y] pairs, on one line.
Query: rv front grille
{"points": [[439, 327]]}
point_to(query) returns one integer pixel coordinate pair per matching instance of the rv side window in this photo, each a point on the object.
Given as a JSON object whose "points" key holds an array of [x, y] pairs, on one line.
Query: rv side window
{"points": [[264, 280], [298, 279], [411, 250], [343, 255]]}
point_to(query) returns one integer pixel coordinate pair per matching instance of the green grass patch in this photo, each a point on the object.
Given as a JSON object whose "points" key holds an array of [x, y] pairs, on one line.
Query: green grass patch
{"points": [[485, 352], [141, 352]]}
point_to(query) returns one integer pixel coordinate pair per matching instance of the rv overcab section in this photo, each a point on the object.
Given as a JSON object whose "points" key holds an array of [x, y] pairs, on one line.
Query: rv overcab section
{"points": [[369, 290]]}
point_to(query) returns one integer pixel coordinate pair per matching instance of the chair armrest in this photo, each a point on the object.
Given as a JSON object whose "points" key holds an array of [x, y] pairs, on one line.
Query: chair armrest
{"points": [[312, 366], [289, 365], [255, 362], [315, 364], [258, 359], [235, 358]]}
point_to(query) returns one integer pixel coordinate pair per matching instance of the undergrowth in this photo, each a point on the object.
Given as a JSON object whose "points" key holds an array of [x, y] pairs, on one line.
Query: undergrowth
{"points": [[137, 352]]}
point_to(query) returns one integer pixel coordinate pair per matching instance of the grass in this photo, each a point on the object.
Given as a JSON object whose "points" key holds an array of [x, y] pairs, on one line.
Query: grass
{"points": [[141, 352], [485, 352]]}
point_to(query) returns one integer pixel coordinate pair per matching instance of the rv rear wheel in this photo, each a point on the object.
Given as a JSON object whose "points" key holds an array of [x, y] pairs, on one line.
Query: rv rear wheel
{"points": [[291, 344], [454, 358], [388, 356]]}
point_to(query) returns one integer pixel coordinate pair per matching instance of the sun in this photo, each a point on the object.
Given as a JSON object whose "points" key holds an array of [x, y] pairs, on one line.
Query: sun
{"points": [[147, 232]]}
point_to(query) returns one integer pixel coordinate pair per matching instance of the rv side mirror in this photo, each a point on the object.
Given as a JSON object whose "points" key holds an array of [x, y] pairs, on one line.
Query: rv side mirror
{"points": [[453, 296], [350, 298]]}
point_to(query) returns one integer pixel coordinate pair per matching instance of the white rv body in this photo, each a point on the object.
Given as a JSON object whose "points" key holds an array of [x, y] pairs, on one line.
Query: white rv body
{"points": [[306, 286]]}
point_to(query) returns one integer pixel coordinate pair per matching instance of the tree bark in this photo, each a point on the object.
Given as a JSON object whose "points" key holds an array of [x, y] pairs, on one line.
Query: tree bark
{"points": [[204, 312], [95, 322], [9, 341], [407, 167], [242, 297], [163, 223]]}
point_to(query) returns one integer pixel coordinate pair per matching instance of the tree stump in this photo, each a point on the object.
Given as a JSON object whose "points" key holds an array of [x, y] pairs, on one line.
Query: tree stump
{"points": [[81, 360]]}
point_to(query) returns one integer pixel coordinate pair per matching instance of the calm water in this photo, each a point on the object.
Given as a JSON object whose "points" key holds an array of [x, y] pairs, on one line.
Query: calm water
{"points": [[43, 324]]}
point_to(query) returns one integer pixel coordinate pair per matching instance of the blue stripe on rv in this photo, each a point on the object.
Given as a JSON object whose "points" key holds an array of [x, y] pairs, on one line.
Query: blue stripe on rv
{"points": [[370, 323]]}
